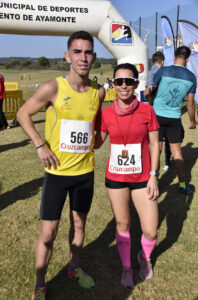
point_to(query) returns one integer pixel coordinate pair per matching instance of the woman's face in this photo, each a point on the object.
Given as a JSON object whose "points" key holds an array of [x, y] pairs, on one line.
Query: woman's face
{"points": [[125, 92]]}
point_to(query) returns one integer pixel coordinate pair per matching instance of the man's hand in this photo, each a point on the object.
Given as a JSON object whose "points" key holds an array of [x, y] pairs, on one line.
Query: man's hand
{"points": [[47, 157], [152, 188]]}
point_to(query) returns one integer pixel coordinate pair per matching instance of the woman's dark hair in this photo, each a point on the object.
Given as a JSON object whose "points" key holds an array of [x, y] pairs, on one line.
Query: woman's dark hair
{"points": [[126, 66]]}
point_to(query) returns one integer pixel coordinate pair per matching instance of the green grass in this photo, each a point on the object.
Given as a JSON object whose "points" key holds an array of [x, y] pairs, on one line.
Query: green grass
{"points": [[175, 257], [27, 80]]}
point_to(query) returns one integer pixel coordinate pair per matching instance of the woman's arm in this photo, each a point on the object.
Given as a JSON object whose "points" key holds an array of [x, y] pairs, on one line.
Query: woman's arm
{"points": [[152, 186]]}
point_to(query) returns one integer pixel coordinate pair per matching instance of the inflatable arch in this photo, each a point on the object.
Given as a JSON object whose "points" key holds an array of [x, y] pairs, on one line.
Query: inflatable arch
{"points": [[63, 17]]}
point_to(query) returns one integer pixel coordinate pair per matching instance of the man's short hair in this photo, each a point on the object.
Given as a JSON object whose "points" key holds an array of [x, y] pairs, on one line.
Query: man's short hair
{"points": [[126, 66], [158, 57], [183, 51], [83, 35]]}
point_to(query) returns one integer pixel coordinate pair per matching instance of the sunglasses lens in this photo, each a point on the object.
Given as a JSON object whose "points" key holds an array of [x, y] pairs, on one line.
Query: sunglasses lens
{"points": [[128, 81]]}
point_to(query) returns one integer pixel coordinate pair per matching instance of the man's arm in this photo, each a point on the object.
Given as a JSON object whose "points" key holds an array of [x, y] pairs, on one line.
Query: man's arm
{"points": [[45, 95], [191, 110], [100, 137], [149, 89]]}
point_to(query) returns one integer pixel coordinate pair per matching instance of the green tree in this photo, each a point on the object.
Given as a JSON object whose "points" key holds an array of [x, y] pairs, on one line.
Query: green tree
{"points": [[43, 62], [97, 65], [15, 63], [26, 63]]}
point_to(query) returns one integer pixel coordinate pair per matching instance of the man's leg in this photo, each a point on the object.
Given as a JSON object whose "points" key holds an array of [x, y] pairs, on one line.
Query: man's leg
{"points": [[76, 236], [44, 249], [81, 195], [179, 161]]}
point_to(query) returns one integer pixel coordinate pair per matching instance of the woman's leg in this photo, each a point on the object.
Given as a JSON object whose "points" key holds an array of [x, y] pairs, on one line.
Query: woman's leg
{"points": [[119, 199], [148, 214]]}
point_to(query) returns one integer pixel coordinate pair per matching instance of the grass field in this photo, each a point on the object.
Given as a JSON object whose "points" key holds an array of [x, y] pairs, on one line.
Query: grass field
{"points": [[175, 257]]}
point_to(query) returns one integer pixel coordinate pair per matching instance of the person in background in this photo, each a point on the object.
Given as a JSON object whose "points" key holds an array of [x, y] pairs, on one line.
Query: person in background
{"points": [[158, 62], [3, 121], [173, 83], [131, 169]]}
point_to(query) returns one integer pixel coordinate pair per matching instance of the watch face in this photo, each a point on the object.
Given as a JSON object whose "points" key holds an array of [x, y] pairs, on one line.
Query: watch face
{"points": [[156, 173]]}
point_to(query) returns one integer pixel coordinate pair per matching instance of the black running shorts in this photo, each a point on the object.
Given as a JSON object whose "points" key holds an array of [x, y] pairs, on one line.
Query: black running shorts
{"points": [[120, 185], [55, 190], [170, 129]]}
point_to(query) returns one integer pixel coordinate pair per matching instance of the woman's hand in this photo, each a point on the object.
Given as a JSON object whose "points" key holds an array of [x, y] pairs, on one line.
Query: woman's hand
{"points": [[152, 188]]}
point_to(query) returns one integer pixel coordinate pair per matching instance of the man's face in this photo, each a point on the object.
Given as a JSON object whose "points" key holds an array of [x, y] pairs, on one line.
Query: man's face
{"points": [[80, 56]]}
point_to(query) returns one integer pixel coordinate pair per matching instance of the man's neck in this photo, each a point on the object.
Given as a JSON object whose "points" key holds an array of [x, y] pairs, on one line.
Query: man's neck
{"points": [[77, 83], [180, 62]]}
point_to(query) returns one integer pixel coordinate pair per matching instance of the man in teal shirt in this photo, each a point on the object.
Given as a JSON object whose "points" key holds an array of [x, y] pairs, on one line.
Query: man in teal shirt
{"points": [[174, 83]]}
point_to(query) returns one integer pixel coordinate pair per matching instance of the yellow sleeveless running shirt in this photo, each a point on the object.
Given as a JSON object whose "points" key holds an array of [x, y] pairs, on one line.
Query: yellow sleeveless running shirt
{"points": [[69, 128]]}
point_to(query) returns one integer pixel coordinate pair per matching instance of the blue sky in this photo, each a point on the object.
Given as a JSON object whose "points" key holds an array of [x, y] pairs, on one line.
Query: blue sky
{"points": [[131, 10]]}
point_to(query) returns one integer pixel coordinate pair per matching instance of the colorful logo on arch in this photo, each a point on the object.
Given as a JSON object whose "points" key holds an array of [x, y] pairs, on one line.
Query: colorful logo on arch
{"points": [[140, 68], [121, 34]]}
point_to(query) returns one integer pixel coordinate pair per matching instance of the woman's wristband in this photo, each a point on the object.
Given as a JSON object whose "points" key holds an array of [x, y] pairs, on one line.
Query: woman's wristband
{"points": [[37, 147]]}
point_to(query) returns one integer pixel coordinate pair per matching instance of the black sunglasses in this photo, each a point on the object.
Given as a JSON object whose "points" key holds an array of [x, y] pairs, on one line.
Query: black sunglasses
{"points": [[128, 80]]}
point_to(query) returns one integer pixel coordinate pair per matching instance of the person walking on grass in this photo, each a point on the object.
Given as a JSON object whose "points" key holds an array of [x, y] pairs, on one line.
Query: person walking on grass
{"points": [[67, 154], [131, 168], [174, 83]]}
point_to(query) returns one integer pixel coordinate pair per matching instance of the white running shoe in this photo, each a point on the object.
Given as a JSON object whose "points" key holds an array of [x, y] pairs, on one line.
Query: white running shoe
{"points": [[166, 167], [146, 270]]}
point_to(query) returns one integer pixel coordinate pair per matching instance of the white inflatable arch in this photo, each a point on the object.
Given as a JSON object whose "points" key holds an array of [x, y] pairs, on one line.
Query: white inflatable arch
{"points": [[63, 17]]}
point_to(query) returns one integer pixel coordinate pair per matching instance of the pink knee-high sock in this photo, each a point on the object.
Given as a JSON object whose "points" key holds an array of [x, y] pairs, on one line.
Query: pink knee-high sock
{"points": [[123, 241], [147, 247]]}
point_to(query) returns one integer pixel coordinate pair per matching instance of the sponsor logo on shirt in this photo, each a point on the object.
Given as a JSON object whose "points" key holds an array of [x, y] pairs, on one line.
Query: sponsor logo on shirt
{"points": [[66, 105], [121, 34]]}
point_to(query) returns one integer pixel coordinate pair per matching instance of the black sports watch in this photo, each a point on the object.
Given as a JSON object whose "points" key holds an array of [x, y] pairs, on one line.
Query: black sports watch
{"points": [[156, 173]]}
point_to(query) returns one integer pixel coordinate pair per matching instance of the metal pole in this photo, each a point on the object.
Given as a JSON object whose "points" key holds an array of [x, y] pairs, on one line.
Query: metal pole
{"points": [[177, 26], [140, 26], [156, 31]]}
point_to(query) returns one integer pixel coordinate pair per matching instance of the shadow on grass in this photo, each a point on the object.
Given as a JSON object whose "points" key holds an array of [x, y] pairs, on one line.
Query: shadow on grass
{"points": [[100, 259], [175, 206], [14, 145], [21, 192], [39, 121]]}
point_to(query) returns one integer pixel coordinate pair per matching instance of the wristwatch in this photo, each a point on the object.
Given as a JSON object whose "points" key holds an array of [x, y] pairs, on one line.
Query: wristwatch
{"points": [[156, 173]]}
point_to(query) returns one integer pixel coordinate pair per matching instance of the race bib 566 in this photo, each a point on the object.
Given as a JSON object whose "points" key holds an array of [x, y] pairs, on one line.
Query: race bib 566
{"points": [[75, 136]]}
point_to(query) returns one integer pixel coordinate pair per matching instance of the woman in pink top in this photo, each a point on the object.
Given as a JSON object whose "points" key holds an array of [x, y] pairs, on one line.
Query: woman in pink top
{"points": [[131, 168]]}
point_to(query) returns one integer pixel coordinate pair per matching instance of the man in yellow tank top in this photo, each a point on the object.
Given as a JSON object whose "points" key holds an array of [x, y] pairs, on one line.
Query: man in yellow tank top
{"points": [[73, 102]]}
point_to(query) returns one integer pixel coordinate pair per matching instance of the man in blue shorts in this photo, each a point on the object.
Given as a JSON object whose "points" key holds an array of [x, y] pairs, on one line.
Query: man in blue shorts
{"points": [[174, 83]]}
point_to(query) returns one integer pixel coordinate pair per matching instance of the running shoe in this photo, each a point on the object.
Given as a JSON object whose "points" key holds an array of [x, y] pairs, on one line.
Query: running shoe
{"points": [[166, 167], [146, 270], [39, 293], [127, 278], [85, 281], [187, 190]]}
